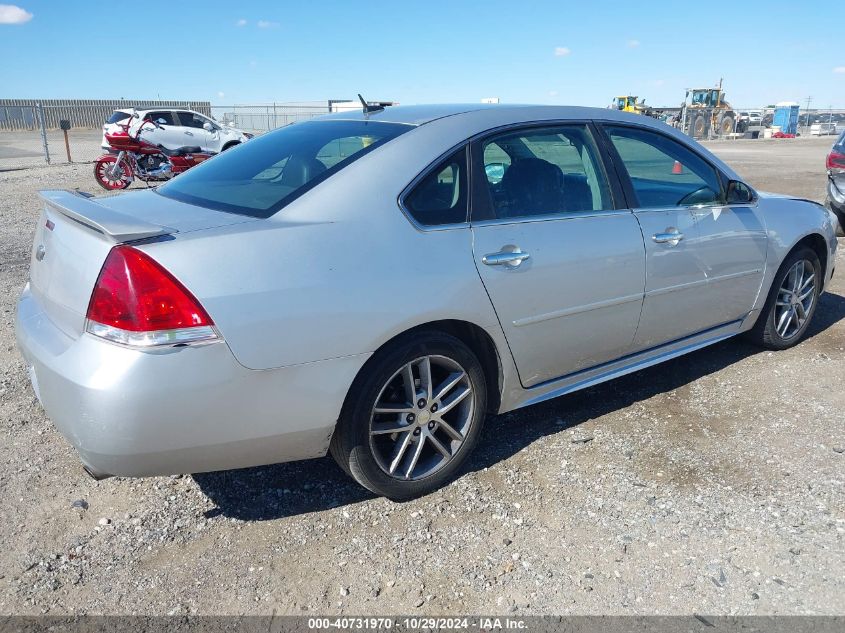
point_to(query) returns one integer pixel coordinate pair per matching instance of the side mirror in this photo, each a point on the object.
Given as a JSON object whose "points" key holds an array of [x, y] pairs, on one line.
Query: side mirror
{"points": [[207, 126], [739, 193]]}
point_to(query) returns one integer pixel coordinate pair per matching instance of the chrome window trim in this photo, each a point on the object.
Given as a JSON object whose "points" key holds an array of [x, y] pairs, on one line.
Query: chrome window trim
{"points": [[552, 217]]}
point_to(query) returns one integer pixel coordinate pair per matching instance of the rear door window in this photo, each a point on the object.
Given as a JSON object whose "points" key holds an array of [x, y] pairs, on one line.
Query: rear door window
{"points": [[163, 117], [544, 171]]}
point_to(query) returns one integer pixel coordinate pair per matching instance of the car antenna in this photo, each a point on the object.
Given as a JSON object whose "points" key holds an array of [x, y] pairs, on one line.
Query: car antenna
{"points": [[369, 108]]}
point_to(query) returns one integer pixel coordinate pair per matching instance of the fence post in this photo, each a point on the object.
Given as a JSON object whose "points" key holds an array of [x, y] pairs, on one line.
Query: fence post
{"points": [[40, 110]]}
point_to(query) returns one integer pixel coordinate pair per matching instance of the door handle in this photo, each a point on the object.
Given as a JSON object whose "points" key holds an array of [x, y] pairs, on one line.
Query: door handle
{"points": [[511, 259], [671, 237]]}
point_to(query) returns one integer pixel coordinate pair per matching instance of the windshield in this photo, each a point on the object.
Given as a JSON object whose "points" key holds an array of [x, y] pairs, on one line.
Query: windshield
{"points": [[263, 175]]}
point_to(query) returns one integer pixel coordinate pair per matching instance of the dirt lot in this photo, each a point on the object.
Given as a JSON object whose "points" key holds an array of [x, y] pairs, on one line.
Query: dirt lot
{"points": [[711, 484]]}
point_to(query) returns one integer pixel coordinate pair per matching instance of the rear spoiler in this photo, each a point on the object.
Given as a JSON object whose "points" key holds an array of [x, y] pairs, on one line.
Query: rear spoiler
{"points": [[114, 225]]}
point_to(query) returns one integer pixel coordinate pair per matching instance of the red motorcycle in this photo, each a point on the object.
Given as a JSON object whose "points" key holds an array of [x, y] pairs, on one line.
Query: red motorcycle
{"points": [[137, 158]]}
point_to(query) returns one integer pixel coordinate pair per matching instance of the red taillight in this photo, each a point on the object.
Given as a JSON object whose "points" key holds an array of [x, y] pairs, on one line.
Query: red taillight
{"points": [[835, 160], [137, 302]]}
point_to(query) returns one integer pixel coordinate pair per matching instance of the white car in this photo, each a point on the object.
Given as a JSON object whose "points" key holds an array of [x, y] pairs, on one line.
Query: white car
{"points": [[179, 128], [755, 117], [823, 129]]}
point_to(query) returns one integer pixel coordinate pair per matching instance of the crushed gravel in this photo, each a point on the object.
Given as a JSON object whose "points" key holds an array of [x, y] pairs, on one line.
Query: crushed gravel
{"points": [[712, 483]]}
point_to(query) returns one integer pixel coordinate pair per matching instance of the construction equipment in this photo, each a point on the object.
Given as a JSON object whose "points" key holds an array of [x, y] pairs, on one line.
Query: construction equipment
{"points": [[705, 113], [630, 104]]}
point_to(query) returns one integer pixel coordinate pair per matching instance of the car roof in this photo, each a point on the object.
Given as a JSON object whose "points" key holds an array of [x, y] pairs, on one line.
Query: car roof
{"points": [[150, 109], [422, 114]]}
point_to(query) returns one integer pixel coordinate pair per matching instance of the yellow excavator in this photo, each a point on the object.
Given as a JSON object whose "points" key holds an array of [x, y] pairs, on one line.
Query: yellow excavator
{"points": [[629, 103]]}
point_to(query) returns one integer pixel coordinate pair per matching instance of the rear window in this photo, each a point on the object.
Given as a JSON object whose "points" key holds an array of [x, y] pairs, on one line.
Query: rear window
{"points": [[260, 177], [118, 116]]}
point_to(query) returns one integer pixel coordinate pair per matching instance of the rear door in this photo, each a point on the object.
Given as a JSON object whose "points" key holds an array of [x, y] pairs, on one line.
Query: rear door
{"points": [[704, 259], [563, 266]]}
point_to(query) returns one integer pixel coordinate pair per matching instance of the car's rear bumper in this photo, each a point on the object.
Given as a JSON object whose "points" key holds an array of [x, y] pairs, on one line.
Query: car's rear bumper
{"points": [[178, 410]]}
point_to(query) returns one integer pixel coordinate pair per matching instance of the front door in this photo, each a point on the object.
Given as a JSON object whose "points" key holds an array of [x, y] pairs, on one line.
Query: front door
{"points": [[704, 260], [732, 245], [564, 268], [196, 134]]}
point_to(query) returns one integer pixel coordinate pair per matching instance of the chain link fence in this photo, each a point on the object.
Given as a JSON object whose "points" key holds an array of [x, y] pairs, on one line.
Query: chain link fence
{"points": [[30, 135]]}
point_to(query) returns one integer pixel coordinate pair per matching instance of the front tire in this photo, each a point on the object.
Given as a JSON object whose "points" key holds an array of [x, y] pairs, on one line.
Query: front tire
{"points": [[412, 417], [110, 175], [791, 303], [726, 125]]}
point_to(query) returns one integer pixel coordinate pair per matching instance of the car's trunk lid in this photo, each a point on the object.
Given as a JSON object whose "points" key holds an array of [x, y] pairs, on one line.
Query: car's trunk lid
{"points": [[75, 234]]}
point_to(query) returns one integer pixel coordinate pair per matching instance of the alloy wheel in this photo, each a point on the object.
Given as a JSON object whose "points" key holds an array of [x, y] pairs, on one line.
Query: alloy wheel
{"points": [[421, 417], [795, 299]]}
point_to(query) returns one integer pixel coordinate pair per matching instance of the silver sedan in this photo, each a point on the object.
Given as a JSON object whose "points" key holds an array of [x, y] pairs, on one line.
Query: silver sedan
{"points": [[374, 284]]}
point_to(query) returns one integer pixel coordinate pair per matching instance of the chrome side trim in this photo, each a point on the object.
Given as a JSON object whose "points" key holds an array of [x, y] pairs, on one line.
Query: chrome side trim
{"points": [[702, 282], [626, 365], [570, 215], [598, 305]]}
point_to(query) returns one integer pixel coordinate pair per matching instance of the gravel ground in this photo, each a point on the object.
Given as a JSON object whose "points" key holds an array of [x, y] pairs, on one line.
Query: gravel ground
{"points": [[709, 484]]}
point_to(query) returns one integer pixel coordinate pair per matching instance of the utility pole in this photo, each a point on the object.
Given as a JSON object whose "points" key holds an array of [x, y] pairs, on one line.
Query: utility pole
{"points": [[809, 101]]}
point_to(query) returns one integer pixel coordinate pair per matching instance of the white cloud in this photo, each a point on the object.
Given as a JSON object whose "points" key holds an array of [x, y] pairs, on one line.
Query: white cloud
{"points": [[221, 94], [10, 14], [633, 43], [553, 93], [562, 51], [839, 70], [267, 24], [241, 22]]}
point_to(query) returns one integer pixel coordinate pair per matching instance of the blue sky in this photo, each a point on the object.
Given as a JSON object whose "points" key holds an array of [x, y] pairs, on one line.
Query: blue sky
{"points": [[525, 51]]}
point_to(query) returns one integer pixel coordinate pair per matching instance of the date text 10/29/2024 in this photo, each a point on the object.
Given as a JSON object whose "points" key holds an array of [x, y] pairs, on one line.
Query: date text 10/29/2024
{"points": [[416, 623]]}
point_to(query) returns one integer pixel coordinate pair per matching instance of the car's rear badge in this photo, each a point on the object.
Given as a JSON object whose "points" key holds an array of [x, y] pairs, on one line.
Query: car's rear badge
{"points": [[40, 252]]}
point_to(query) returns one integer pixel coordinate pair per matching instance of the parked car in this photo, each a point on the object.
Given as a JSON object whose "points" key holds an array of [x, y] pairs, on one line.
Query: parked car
{"points": [[836, 180], [363, 284], [755, 117], [179, 128], [822, 128]]}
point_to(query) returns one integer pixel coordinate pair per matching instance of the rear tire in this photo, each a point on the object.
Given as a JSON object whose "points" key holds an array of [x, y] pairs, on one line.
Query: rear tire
{"points": [[402, 449], [698, 126], [229, 146], [791, 303]]}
